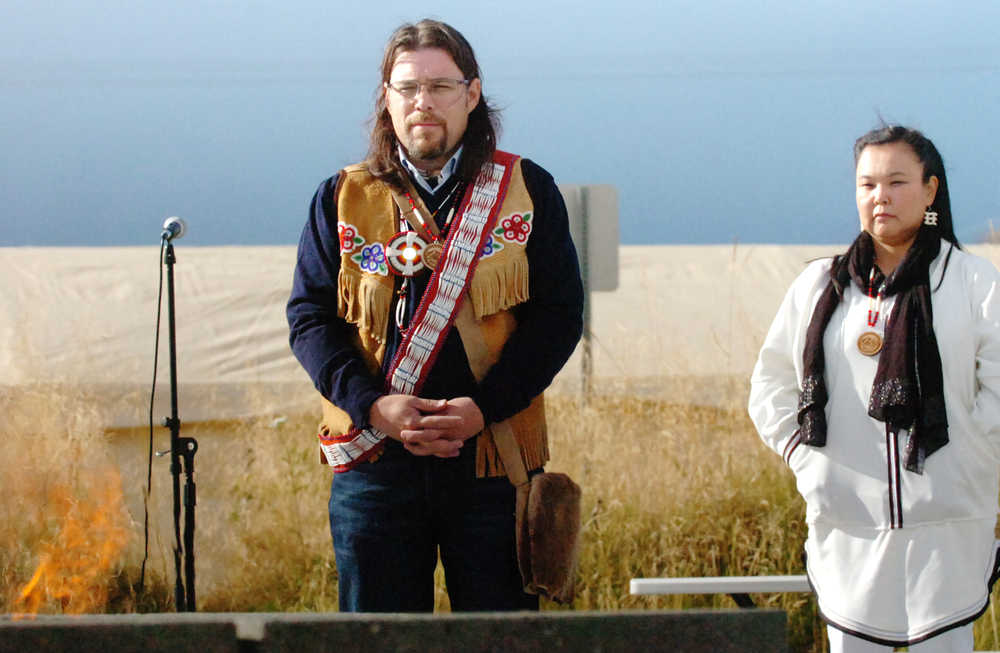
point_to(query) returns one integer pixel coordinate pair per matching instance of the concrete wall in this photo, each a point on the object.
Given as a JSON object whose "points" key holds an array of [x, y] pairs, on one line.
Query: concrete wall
{"points": [[689, 631]]}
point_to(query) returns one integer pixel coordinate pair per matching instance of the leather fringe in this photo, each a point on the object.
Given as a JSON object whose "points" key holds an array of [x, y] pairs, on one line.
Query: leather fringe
{"points": [[531, 437], [497, 290], [364, 302]]}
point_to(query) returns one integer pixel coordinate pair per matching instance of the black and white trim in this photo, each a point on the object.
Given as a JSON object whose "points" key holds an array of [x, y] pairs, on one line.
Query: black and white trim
{"points": [[790, 446], [895, 486], [993, 574]]}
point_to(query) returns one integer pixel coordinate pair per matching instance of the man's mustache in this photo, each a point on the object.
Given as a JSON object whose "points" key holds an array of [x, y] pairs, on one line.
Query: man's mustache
{"points": [[424, 118]]}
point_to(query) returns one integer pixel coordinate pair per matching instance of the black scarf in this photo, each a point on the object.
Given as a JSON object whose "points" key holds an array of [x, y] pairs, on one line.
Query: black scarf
{"points": [[908, 391]]}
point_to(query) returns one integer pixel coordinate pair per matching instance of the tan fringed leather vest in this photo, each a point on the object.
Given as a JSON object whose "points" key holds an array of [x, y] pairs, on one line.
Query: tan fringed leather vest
{"points": [[367, 218]]}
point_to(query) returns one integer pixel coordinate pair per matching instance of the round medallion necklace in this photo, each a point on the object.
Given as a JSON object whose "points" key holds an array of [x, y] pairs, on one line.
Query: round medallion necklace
{"points": [[432, 253], [428, 252], [870, 342]]}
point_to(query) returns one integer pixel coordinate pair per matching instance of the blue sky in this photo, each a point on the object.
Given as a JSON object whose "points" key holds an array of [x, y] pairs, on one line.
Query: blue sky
{"points": [[717, 121]]}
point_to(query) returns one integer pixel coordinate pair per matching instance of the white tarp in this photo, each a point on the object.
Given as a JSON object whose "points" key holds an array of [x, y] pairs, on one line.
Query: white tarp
{"points": [[84, 319]]}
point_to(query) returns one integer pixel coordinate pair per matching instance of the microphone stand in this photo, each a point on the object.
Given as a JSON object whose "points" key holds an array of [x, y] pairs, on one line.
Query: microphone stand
{"points": [[180, 448]]}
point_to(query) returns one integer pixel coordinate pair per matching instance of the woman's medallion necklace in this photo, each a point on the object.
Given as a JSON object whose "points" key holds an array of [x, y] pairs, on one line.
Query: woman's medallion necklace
{"points": [[870, 342]]}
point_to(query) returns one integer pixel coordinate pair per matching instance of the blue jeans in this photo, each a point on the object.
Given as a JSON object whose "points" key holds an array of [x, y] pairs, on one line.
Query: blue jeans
{"points": [[390, 518]]}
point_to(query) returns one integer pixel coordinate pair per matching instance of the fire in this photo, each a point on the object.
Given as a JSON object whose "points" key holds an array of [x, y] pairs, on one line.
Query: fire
{"points": [[73, 569]]}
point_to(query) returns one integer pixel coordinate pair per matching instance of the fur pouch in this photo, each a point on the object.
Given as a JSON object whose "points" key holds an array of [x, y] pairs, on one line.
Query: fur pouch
{"points": [[548, 533]]}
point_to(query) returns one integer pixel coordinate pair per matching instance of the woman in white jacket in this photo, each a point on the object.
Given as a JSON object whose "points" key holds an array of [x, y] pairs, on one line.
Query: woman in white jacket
{"points": [[879, 384]]}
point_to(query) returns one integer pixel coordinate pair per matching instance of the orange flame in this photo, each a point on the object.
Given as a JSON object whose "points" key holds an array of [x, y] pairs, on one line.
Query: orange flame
{"points": [[72, 574]]}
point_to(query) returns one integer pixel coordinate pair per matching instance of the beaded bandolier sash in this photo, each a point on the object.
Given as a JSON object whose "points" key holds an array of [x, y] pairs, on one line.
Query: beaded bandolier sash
{"points": [[491, 225]]}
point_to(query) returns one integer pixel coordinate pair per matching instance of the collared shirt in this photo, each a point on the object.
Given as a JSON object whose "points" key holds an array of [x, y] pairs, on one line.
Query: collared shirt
{"points": [[419, 177]]}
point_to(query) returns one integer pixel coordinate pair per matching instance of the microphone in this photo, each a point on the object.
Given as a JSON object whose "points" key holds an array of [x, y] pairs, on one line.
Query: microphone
{"points": [[173, 228]]}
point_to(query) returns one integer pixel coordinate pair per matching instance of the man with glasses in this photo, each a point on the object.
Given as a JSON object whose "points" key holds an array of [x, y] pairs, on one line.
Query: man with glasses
{"points": [[436, 293]]}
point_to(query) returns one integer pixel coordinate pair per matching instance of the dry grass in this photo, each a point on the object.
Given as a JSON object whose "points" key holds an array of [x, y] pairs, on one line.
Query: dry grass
{"points": [[671, 488], [677, 489], [64, 524]]}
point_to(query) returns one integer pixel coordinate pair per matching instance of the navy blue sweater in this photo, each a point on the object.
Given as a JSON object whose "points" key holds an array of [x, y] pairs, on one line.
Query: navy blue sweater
{"points": [[549, 324]]}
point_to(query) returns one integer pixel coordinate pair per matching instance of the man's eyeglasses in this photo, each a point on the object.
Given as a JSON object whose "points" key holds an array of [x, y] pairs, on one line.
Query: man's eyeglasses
{"points": [[445, 91]]}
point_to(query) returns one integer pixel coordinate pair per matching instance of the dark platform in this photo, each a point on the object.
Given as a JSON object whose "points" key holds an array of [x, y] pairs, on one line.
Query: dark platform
{"points": [[686, 631]]}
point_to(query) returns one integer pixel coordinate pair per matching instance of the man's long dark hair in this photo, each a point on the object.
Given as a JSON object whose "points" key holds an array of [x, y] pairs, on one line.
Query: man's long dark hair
{"points": [[480, 138]]}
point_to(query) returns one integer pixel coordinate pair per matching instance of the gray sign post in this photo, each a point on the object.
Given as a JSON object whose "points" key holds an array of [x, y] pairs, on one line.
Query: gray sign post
{"points": [[593, 223]]}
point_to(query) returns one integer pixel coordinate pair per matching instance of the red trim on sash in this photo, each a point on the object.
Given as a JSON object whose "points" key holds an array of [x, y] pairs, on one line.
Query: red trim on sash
{"points": [[506, 160], [347, 437]]}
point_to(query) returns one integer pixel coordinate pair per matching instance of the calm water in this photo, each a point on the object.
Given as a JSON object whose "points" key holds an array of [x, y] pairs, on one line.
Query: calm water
{"points": [[102, 156]]}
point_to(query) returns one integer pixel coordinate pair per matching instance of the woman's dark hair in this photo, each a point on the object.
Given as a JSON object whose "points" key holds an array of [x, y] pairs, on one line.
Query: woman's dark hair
{"points": [[480, 138], [932, 162]]}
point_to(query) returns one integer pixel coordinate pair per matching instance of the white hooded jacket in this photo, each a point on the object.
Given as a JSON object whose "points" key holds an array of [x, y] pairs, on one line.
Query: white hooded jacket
{"points": [[894, 556]]}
